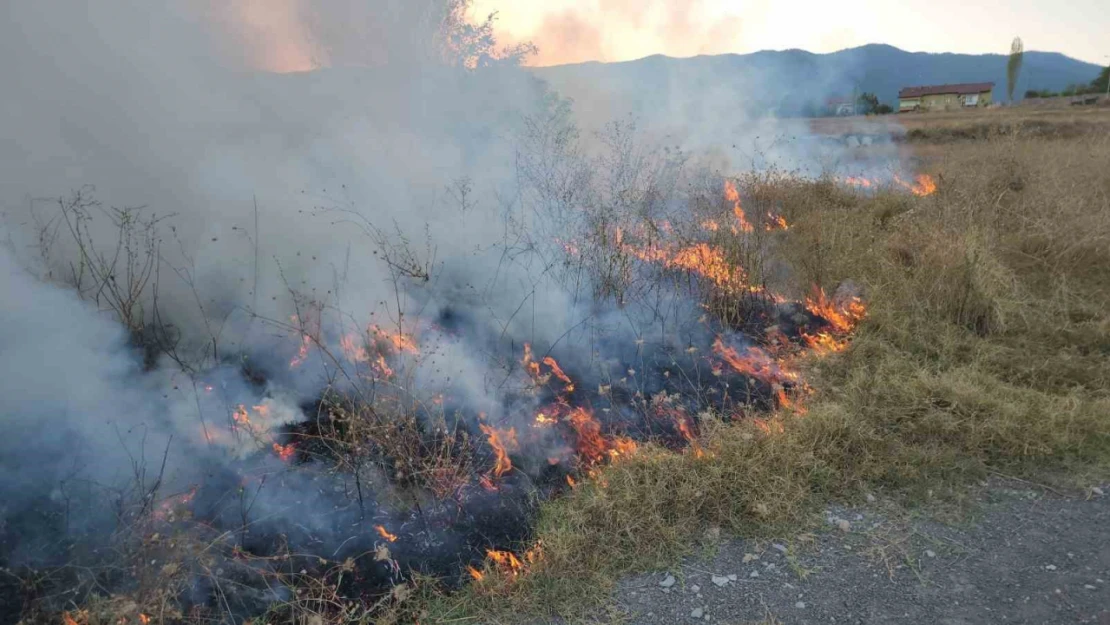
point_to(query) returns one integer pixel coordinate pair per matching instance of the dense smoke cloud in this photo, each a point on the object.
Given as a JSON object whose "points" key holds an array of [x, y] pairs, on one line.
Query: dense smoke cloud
{"points": [[388, 187]]}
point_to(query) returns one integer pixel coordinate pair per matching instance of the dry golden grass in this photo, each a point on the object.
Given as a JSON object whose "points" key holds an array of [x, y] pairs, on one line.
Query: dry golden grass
{"points": [[985, 351], [1068, 122]]}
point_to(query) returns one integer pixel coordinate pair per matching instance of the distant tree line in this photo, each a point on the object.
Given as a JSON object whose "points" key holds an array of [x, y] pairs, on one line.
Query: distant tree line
{"points": [[1096, 86]]}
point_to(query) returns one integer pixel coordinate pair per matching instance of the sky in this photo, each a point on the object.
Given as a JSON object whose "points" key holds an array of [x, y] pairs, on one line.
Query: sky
{"points": [[570, 31]]}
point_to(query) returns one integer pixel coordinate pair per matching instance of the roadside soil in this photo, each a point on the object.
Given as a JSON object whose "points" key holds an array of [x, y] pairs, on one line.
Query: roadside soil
{"points": [[1024, 554]]}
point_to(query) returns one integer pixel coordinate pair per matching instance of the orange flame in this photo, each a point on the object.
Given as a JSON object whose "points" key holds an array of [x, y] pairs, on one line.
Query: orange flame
{"points": [[859, 182], [241, 417], [353, 349], [285, 452], [755, 363], [302, 352], [776, 222], [499, 440], [384, 533], [530, 364], [591, 445], [172, 503], [843, 316], [923, 185], [475, 573], [824, 343], [400, 341], [733, 195], [144, 619], [571, 482], [702, 259], [544, 420], [558, 371]]}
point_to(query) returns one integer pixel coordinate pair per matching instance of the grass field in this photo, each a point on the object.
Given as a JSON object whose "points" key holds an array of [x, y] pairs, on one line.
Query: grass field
{"points": [[985, 351]]}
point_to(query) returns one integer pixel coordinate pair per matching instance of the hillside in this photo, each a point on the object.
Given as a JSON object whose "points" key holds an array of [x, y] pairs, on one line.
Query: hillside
{"points": [[794, 82]]}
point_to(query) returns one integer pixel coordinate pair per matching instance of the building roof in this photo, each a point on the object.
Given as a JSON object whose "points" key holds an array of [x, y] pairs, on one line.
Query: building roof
{"points": [[966, 88]]}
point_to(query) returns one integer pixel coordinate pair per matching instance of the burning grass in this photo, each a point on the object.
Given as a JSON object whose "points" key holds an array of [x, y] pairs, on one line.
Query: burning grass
{"points": [[924, 333], [984, 349]]}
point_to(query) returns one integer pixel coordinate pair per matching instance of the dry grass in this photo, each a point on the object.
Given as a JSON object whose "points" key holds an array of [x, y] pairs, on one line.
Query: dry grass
{"points": [[985, 350]]}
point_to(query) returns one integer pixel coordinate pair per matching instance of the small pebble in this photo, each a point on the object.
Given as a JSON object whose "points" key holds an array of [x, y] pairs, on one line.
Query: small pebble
{"points": [[720, 580], [695, 589], [732, 578], [778, 547], [668, 581], [800, 605], [929, 553], [697, 613], [1098, 491], [844, 526], [754, 574], [870, 498], [1088, 587], [1050, 567]]}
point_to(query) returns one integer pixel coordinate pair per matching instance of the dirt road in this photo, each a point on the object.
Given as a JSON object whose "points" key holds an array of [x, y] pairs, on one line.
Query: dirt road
{"points": [[1026, 556]]}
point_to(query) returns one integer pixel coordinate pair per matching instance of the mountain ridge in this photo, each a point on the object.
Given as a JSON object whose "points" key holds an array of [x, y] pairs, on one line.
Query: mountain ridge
{"points": [[797, 81]]}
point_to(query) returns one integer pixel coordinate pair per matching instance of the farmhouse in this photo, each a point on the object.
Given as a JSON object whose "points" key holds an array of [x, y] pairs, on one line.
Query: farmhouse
{"points": [[943, 97]]}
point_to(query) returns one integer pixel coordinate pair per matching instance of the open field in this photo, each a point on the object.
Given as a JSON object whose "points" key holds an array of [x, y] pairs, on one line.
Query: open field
{"points": [[977, 124]]}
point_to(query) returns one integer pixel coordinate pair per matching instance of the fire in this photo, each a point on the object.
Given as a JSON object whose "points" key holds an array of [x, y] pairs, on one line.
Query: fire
{"points": [[776, 222], [702, 259], [400, 341], [843, 316], [353, 349], [571, 482], [167, 507], [384, 533], [506, 560], [558, 372], [923, 185], [500, 441], [684, 428], [508, 563], [733, 195], [544, 420], [302, 352], [530, 364], [285, 452], [824, 343], [144, 619], [241, 417], [755, 363], [591, 445], [621, 447]]}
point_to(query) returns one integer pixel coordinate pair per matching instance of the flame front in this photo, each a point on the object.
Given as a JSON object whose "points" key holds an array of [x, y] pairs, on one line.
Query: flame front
{"points": [[384, 533], [843, 317], [500, 440], [732, 194]]}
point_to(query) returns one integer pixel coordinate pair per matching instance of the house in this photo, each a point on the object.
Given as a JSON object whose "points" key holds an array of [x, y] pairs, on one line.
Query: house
{"points": [[840, 106], [945, 97]]}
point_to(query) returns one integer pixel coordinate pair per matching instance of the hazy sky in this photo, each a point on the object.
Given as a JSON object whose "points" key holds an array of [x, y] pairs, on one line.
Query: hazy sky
{"points": [[612, 30]]}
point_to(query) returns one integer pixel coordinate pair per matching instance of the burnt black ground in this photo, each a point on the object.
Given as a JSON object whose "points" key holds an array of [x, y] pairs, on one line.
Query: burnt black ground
{"points": [[1024, 555]]}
